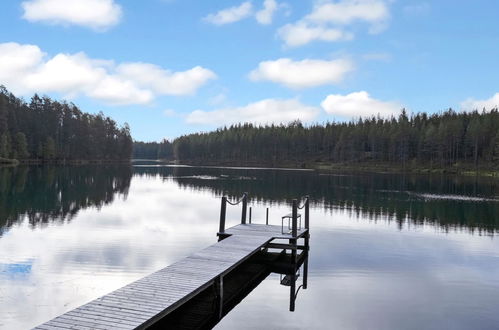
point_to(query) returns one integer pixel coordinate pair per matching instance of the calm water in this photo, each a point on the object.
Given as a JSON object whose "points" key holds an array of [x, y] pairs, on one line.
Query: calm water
{"points": [[387, 251]]}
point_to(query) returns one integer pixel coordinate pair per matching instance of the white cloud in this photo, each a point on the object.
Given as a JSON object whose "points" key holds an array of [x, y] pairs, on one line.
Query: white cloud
{"points": [[302, 74], [96, 14], [230, 15], [25, 69], [164, 81], [262, 112], [328, 21], [115, 90], [302, 32], [348, 11], [359, 104], [264, 16], [488, 104]]}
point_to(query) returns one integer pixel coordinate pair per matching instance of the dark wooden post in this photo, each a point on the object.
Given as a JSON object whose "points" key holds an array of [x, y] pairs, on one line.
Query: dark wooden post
{"points": [[294, 225], [267, 217], [307, 213], [305, 271], [293, 241], [245, 206], [250, 214], [292, 294], [223, 212], [307, 222]]}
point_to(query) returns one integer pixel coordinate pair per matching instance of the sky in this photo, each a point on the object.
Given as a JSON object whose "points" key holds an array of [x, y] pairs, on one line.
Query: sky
{"points": [[173, 67]]}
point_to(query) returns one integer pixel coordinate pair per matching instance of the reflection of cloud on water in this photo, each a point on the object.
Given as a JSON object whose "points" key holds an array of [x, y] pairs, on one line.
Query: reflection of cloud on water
{"points": [[100, 251], [210, 177], [463, 198], [366, 276]]}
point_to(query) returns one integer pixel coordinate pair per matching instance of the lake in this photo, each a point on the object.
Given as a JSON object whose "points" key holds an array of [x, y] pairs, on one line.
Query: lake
{"points": [[387, 251]]}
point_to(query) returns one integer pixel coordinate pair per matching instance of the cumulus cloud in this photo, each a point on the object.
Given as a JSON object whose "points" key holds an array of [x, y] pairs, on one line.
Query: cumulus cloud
{"points": [[302, 33], [359, 104], [230, 15], [302, 74], [328, 21], [488, 104], [262, 112], [25, 69], [95, 14], [164, 81], [264, 16], [348, 11], [234, 14]]}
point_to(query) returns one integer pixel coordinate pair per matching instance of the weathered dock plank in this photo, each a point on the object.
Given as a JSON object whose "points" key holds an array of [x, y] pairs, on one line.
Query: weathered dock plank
{"points": [[146, 300]]}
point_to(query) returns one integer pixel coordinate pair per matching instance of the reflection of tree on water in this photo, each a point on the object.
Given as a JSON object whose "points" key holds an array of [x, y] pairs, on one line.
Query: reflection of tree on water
{"points": [[403, 198], [44, 194]]}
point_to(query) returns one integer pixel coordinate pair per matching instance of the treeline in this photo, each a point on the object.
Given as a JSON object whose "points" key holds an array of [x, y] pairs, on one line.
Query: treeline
{"points": [[49, 130], [437, 140], [152, 150]]}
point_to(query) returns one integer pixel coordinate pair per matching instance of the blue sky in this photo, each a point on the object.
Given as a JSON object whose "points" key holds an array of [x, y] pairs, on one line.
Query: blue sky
{"points": [[171, 67]]}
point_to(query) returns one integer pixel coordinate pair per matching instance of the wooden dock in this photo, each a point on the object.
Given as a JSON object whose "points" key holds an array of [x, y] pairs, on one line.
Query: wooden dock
{"points": [[144, 302]]}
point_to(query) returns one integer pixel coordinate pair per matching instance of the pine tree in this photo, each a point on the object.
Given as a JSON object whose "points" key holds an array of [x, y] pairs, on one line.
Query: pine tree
{"points": [[21, 145]]}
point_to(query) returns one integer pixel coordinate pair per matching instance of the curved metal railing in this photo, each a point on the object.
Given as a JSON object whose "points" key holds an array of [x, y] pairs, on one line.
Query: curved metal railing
{"points": [[245, 195], [305, 201]]}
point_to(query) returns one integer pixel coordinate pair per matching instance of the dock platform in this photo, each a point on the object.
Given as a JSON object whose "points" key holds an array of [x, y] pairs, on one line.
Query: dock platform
{"points": [[144, 302]]}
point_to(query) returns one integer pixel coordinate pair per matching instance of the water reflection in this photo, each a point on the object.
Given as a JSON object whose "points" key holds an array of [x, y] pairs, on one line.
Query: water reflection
{"points": [[208, 308], [364, 273], [449, 202], [43, 194]]}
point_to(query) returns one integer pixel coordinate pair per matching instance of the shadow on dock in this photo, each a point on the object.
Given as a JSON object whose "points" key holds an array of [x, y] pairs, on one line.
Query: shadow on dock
{"points": [[204, 312]]}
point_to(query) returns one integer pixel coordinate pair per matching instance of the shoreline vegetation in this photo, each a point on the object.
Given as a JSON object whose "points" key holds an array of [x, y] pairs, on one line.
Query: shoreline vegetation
{"points": [[449, 142], [48, 131], [44, 131]]}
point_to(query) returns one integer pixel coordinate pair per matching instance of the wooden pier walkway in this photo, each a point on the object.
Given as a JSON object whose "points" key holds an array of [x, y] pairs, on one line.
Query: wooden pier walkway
{"points": [[147, 300]]}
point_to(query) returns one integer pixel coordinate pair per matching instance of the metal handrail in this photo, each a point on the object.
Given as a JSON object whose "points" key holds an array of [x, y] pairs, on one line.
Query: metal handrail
{"points": [[239, 201], [304, 203]]}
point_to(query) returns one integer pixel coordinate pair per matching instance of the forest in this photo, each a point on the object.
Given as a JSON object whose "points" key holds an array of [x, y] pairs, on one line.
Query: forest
{"points": [[48, 130], [152, 150], [446, 139]]}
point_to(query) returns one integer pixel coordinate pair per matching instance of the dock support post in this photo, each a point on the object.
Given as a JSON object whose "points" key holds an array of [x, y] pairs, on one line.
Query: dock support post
{"points": [[267, 217], [223, 212], [307, 213], [245, 207], [293, 241], [292, 293], [295, 218], [250, 214], [305, 271], [307, 223]]}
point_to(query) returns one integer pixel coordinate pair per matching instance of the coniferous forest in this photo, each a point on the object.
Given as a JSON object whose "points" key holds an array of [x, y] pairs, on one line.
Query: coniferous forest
{"points": [[152, 150], [48, 130], [459, 139]]}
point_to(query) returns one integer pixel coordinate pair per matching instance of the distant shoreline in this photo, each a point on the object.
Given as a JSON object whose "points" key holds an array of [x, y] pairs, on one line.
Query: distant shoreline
{"points": [[464, 170], [16, 162], [360, 167]]}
